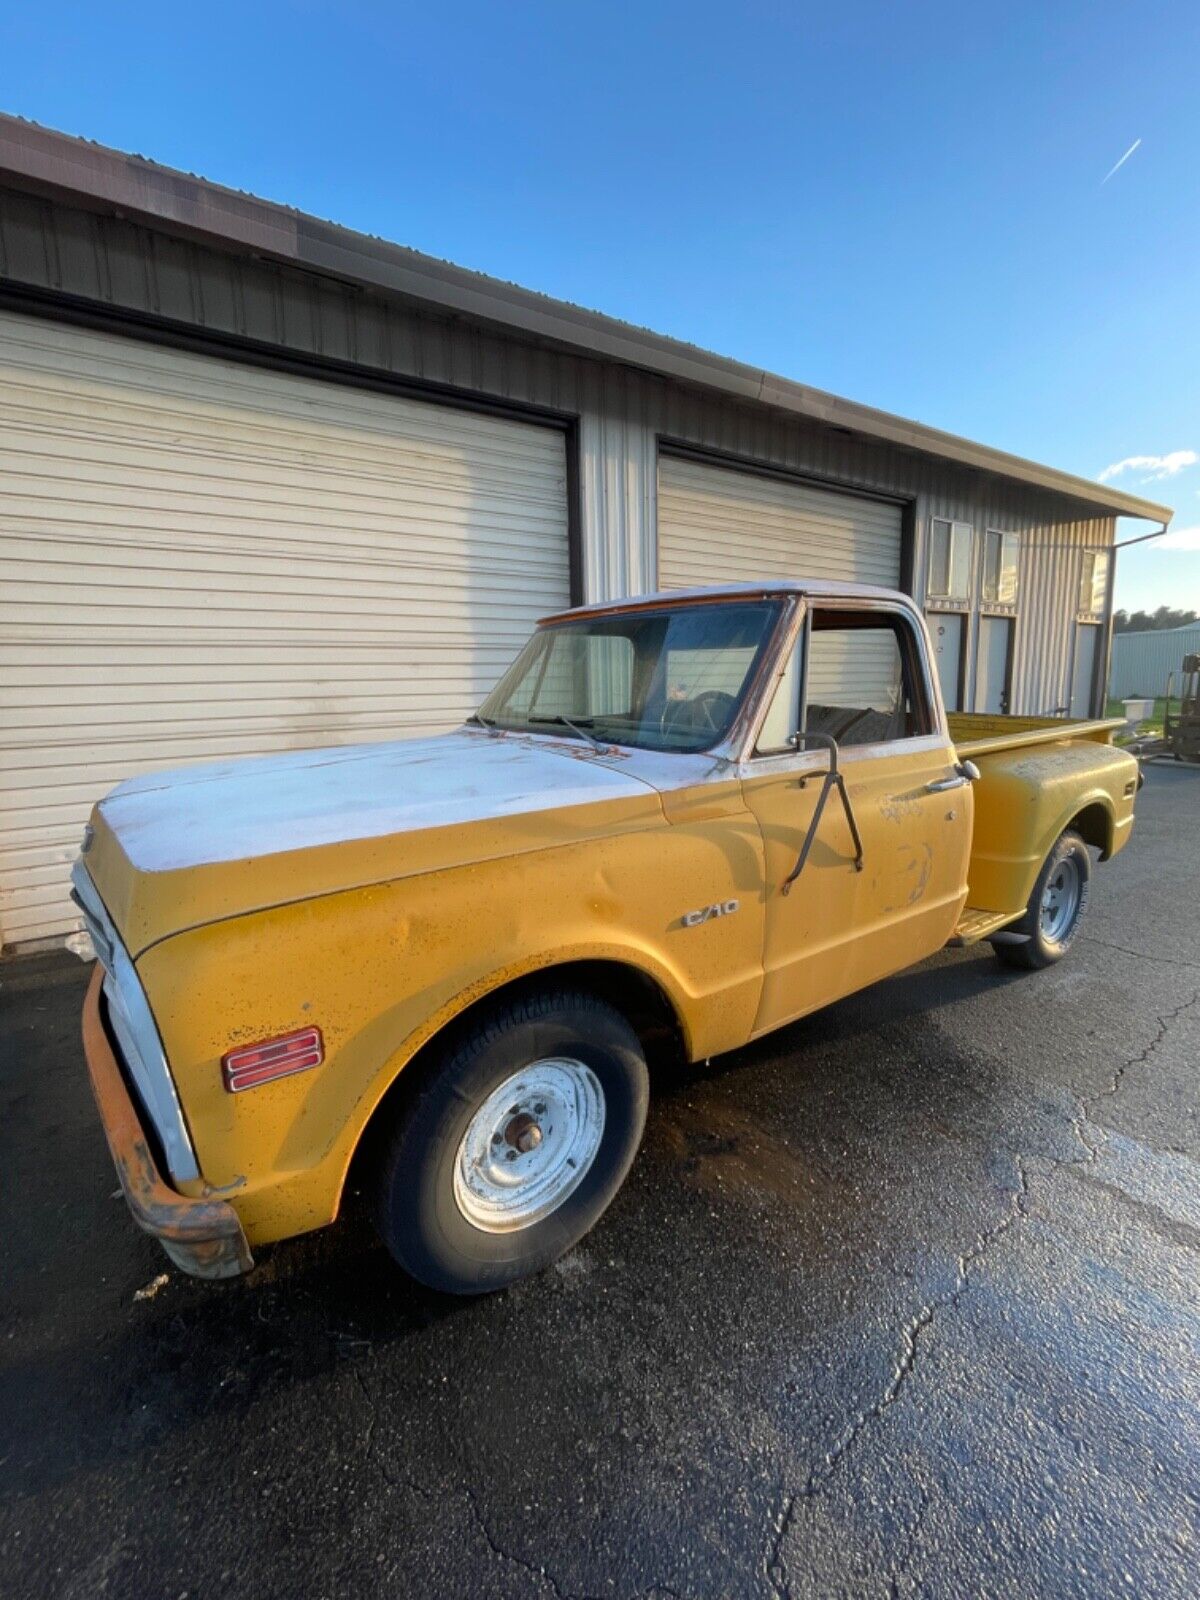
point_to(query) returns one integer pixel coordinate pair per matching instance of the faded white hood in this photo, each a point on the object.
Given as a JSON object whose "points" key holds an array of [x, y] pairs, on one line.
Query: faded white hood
{"points": [[268, 805]]}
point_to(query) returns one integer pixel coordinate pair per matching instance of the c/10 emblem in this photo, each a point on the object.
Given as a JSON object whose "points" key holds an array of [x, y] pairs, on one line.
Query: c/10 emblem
{"points": [[724, 908]]}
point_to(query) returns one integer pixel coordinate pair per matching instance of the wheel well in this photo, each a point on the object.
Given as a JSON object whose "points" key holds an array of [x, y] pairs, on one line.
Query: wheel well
{"points": [[1094, 826], [632, 992]]}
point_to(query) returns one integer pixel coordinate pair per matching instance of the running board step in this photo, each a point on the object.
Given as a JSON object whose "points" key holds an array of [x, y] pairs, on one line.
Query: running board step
{"points": [[975, 925]]}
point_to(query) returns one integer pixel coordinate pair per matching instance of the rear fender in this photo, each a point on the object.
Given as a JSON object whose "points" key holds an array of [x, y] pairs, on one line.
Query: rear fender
{"points": [[1024, 801]]}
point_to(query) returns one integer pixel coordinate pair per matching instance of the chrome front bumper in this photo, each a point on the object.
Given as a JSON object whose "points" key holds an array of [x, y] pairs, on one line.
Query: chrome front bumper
{"points": [[203, 1237]]}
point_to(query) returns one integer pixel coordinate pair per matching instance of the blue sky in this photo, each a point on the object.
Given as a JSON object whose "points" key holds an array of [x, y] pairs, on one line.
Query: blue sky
{"points": [[902, 203]]}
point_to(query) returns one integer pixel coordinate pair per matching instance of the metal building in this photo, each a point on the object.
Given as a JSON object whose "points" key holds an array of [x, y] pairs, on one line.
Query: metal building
{"points": [[1142, 662], [267, 483]]}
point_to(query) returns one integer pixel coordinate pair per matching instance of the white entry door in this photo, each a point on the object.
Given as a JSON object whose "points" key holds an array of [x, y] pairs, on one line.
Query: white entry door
{"points": [[946, 629], [1083, 674], [995, 654]]}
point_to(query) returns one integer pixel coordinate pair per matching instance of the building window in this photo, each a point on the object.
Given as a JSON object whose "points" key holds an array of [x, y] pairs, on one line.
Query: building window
{"points": [[1093, 586], [950, 553], [1001, 553]]}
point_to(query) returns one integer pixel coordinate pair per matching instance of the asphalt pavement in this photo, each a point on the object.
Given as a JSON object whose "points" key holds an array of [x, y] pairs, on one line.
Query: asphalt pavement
{"points": [[901, 1301]]}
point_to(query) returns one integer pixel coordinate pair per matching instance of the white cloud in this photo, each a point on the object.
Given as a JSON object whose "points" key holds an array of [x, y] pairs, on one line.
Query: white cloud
{"points": [[1153, 466], [1179, 539]]}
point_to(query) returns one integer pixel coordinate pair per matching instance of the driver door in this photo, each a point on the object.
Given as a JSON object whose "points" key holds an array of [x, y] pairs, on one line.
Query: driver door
{"points": [[860, 676]]}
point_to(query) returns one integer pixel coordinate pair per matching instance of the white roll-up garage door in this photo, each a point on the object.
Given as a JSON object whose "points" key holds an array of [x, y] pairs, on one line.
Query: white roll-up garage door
{"points": [[203, 559], [718, 525]]}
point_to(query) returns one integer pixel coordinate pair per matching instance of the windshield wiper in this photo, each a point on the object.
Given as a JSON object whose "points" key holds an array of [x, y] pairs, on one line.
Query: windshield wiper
{"points": [[484, 722], [574, 727]]}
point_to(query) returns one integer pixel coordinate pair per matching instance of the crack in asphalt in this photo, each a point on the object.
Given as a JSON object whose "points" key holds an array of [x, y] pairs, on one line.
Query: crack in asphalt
{"points": [[540, 1572], [1140, 955], [774, 1564], [466, 1490], [469, 1495], [502, 1554], [1088, 1103], [1164, 1026], [372, 1452]]}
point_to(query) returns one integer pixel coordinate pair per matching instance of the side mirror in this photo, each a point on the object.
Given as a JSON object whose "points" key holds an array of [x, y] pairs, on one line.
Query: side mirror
{"points": [[968, 770]]}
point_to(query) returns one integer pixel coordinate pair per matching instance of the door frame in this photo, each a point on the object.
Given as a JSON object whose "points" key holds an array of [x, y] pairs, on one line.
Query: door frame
{"points": [[793, 632]]}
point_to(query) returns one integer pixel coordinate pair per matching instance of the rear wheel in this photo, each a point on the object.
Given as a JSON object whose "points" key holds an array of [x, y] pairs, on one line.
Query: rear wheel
{"points": [[515, 1145], [1055, 910]]}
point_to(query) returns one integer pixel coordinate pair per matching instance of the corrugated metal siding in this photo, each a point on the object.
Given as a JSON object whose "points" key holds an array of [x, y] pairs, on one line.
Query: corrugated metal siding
{"points": [[202, 559], [1142, 662], [618, 455], [1050, 574]]}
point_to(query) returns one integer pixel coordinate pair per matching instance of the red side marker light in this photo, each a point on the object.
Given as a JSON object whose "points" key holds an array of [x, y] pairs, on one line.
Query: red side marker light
{"points": [[252, 1064]]}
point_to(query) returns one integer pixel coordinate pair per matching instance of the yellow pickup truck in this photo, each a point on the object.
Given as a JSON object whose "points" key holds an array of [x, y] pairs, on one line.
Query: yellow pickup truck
{"points": [[677, 823]]}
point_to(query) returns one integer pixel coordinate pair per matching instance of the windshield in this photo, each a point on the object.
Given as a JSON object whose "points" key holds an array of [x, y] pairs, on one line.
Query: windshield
{"points": [[659, 680]]}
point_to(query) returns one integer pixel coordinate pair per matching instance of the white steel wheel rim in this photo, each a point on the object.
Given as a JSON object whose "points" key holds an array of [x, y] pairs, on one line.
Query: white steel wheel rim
{"points": [[529, 1146], [1060, 900]]}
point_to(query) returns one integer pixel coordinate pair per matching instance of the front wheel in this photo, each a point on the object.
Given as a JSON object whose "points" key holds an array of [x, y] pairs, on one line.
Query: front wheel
{"points": [[1055, 910], [515, 1145]]}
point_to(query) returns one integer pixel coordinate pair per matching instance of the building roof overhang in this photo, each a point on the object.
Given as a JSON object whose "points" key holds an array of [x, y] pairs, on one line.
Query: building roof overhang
{"points": [[47, 162]]}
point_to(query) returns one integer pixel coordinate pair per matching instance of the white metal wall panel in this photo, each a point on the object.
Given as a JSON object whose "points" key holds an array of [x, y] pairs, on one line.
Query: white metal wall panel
{"points": [[717, 525], [1142, 662], [202, 559]]}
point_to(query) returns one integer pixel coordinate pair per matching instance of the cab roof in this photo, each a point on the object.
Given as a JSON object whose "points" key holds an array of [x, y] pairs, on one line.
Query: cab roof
{"points": [[764, 589]]}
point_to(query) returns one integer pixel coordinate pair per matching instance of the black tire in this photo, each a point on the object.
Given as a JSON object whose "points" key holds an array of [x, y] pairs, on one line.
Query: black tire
{"points": [[1040, 950], [417, 1211]]}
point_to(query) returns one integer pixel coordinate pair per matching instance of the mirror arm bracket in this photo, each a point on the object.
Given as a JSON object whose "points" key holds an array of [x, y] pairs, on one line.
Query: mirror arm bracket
{"points": [[833, 780]]}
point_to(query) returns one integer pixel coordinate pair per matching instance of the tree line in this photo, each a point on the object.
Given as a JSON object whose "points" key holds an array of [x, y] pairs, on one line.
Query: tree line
{"points": [[1151, 621]]}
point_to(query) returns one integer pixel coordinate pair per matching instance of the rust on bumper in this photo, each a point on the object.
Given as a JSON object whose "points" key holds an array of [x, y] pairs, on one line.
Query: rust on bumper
{"points": [[203, 1237]]}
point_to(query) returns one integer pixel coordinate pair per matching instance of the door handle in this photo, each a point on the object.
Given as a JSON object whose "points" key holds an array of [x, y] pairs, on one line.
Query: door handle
{"points": [[940, 785]]}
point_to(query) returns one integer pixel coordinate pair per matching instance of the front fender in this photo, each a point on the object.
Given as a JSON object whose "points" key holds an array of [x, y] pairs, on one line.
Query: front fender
{"points": [[382, 970]]}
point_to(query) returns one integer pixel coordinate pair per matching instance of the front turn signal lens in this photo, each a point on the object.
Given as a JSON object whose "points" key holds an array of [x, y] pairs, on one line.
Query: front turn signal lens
{"points": [[252, 1064]]}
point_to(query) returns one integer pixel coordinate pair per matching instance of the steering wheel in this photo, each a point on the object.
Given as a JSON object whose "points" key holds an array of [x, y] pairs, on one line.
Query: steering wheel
{"points": [[706, 712]]}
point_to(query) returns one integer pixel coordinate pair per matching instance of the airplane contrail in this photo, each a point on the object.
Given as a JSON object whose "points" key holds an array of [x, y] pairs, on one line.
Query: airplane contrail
{"points": [[1120, 163]]}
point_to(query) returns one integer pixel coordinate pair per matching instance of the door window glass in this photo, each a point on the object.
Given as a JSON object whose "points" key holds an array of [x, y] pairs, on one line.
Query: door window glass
{"points": [[862, 684]]}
